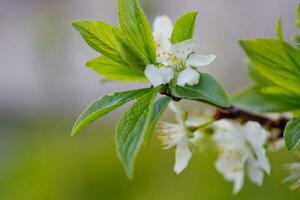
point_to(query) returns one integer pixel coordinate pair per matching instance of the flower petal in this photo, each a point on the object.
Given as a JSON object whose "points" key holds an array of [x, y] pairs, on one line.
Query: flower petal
{"points": [[262, 160], [230, 161], [163, 25], [188, 76], [255, 173], [170, 134], [175, 107], [158, 76], [163, 28], [198, 60], [255, 134], [181, 50], [163, 46], [233, 173], [182, 157], [194, 121], [238, 182], [228, 133], [276, 145]]}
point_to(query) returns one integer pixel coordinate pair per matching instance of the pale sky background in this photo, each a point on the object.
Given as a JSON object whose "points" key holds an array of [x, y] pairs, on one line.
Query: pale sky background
{"points": [[42, 58]]}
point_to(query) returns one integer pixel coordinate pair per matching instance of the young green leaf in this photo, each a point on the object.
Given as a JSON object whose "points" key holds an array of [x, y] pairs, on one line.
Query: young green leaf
{"points": [[207, 90], [253, 100], [129, 54], [279, 91], [296, 39], [114, 70], [158, 109], [279, 30], [184, 27], [132, 128], [104, 105], [298, 15], [292, 134], [265, 96], [100, 36], [260, 80], [136, 29], [291, 99], [276, 60]]}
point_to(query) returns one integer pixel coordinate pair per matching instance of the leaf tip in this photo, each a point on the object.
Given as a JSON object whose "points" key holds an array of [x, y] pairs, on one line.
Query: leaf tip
{"points": [[194, 12], [76, 128], [129, 174], [242, 42], [88, 63], [74, 131], [279, 29], [73, 22], [77, 23]]}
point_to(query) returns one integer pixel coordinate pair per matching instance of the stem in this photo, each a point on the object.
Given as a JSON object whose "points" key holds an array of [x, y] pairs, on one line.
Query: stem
{"points": [[166, 91], [242, 115]]}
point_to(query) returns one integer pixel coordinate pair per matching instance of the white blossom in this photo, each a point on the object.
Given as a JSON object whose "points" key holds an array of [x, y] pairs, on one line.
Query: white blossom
{"points": [[241, 152], [178, 135], [181, 57], [294, 177]]}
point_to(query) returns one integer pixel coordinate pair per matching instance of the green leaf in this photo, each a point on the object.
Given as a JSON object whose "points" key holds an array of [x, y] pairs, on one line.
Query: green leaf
{"points": [[114, 70], [296, 39], [136, 29], [292, 134], [279, 30], [129, 54], [291, 99], [279, 91], [100, 36], [276, 60], [104, 105], [266, 96], [132, 128], [110, 42], [207, 90], [255, 76], [253, 100], [298, 16], [184, 27], [158, 109]]}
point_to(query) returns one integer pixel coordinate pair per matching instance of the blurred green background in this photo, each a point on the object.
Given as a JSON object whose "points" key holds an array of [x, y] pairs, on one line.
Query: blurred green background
{"points": [[39, 160], [44, 86]]}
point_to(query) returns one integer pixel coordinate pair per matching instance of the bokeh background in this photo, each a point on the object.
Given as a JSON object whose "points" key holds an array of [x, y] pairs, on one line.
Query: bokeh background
{"points": [[44, 86]]}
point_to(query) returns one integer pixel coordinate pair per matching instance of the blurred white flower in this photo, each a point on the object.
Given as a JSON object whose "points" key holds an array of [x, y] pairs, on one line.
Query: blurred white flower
{"points": [[277, 145], [241, 152], [180, 57], [294, 177], [178, 135]]}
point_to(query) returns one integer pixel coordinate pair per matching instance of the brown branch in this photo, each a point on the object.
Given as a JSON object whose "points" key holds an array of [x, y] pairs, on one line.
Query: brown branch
{"points": [[244, 116]]}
